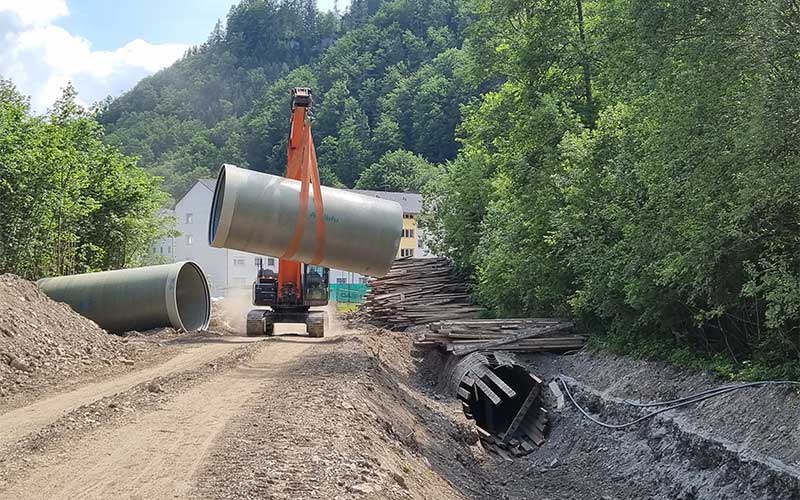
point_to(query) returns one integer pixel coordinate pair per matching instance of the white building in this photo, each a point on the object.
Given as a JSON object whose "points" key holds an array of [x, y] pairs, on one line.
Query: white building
{"points": [[163, 251], [231, 271], [228, 271]]}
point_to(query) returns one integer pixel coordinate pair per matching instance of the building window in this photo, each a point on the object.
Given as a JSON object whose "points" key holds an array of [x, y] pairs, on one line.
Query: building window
{"points": [[341, 281], [408, 216], [258, 262], [408, 233], [362, 280], [189, 218], [238, 262], [270, 261], [189, 239], [169, 249], [406, 252]]}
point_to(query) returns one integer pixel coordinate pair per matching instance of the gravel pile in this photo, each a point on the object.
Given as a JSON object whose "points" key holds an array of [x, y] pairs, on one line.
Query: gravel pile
{"points": [[45, 343]]}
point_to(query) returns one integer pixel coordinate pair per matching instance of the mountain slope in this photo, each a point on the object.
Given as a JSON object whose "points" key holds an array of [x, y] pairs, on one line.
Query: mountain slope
{"points": [[385, 77]]}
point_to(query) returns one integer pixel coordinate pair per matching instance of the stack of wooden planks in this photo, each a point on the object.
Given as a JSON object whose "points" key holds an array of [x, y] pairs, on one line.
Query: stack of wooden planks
{"points": [[417, 292], [462, 337]]}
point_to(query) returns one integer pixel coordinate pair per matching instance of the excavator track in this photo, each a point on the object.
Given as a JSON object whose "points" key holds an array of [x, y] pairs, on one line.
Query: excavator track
{"points": [[260, 323], [315, 324]]}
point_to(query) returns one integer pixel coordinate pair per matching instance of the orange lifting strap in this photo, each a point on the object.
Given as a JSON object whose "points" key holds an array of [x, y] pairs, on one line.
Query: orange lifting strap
{"points": [[302, 166]]}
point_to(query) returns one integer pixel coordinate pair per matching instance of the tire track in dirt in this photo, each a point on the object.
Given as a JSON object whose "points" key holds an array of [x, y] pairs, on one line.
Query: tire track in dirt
{"points": [[16, 424], [156, 456]]}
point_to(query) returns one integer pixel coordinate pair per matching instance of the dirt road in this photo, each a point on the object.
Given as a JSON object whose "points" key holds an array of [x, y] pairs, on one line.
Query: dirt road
{"points": [[229, 417], [155, 456], [17, 423]]}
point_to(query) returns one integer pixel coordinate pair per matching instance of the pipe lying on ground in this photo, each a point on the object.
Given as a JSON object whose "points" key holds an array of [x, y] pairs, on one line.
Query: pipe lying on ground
{"points": [[259, 213], [141, 298], [503, 398]]}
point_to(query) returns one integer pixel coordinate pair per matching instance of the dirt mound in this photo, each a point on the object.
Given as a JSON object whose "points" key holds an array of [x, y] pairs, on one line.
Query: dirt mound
{"points": [[45, 343]]}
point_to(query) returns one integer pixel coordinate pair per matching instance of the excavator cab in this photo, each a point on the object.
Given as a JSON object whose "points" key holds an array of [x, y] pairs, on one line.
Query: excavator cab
{"points": [[315, 285], [289, 302]]}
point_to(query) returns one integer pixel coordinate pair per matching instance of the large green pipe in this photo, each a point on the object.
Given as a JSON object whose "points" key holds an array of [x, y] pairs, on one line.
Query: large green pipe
{"points": [[137, 299], [258, 213]]}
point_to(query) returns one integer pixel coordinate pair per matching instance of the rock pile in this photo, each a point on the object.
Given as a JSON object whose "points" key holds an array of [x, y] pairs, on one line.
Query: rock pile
{"points": [[43, 342]]}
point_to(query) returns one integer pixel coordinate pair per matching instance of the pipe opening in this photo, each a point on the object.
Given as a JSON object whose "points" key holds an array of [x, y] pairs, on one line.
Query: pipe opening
{"points": [[192, 297], [504, 399], [216, 206]]}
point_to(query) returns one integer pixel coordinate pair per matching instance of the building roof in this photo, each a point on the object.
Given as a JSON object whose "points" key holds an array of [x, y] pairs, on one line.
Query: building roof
{"points": [[209, 183], [411, 202]]}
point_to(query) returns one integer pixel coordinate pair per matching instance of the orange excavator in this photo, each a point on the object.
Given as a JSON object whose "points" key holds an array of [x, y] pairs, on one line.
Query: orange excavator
{"points": [[289, 295]]}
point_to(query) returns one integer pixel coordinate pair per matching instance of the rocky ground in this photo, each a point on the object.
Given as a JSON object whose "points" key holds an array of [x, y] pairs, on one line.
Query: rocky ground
{"points": [[361, 417], [337, 423]]}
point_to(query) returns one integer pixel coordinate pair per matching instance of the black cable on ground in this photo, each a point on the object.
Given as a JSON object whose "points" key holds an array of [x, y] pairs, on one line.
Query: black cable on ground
{"points": [[695, 398], [717, 390]]}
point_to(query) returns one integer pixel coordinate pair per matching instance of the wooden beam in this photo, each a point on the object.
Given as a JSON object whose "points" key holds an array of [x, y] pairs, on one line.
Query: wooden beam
{"points": [[531, 398]]}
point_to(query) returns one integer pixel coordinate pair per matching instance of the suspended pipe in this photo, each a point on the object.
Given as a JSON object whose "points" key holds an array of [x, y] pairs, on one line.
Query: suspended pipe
{"points": [[141, 298], [258, 213]]}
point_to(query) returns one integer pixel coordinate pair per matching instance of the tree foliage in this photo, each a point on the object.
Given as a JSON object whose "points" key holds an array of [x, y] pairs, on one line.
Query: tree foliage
{"points": [[398, 171], [70, 203], [642, 170]]}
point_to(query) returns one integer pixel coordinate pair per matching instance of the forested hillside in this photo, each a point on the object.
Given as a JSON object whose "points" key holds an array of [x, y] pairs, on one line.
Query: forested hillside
{"points": [[387, 76]]}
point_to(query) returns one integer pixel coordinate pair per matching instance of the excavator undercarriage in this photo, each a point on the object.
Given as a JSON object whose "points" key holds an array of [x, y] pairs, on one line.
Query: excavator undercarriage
{"points": [[262, 322]]}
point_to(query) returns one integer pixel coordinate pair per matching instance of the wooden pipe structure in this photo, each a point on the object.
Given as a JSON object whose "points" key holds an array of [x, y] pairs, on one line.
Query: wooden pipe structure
{"points": [[503, 398]]}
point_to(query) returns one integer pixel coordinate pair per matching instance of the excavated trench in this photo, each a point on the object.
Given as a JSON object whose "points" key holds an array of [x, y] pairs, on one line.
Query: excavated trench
{"points": [[543, 444]]}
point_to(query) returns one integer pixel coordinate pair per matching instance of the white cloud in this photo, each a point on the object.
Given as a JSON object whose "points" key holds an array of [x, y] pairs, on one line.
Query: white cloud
{"points": [[35, 12], [41, 58]]}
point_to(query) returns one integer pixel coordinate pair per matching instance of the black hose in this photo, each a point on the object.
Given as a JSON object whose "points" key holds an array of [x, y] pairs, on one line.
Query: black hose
{"points": [[695, 398], [717, 390]]}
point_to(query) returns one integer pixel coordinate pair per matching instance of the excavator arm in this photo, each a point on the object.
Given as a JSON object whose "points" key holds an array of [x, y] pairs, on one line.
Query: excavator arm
{"points": [[302, 166]]}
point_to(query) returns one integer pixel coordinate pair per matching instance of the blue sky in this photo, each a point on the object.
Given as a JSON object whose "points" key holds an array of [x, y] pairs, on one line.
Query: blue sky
{"points": [[102, 46], [110, 24]]}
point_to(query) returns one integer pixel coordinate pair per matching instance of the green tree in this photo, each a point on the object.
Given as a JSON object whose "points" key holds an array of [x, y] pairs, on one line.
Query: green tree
{"points": [[70, 203], [641, 168], [398, 171]]}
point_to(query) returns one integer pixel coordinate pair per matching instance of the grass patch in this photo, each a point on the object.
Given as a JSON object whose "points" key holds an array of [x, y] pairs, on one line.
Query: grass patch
{"points": [[345, 307]]}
